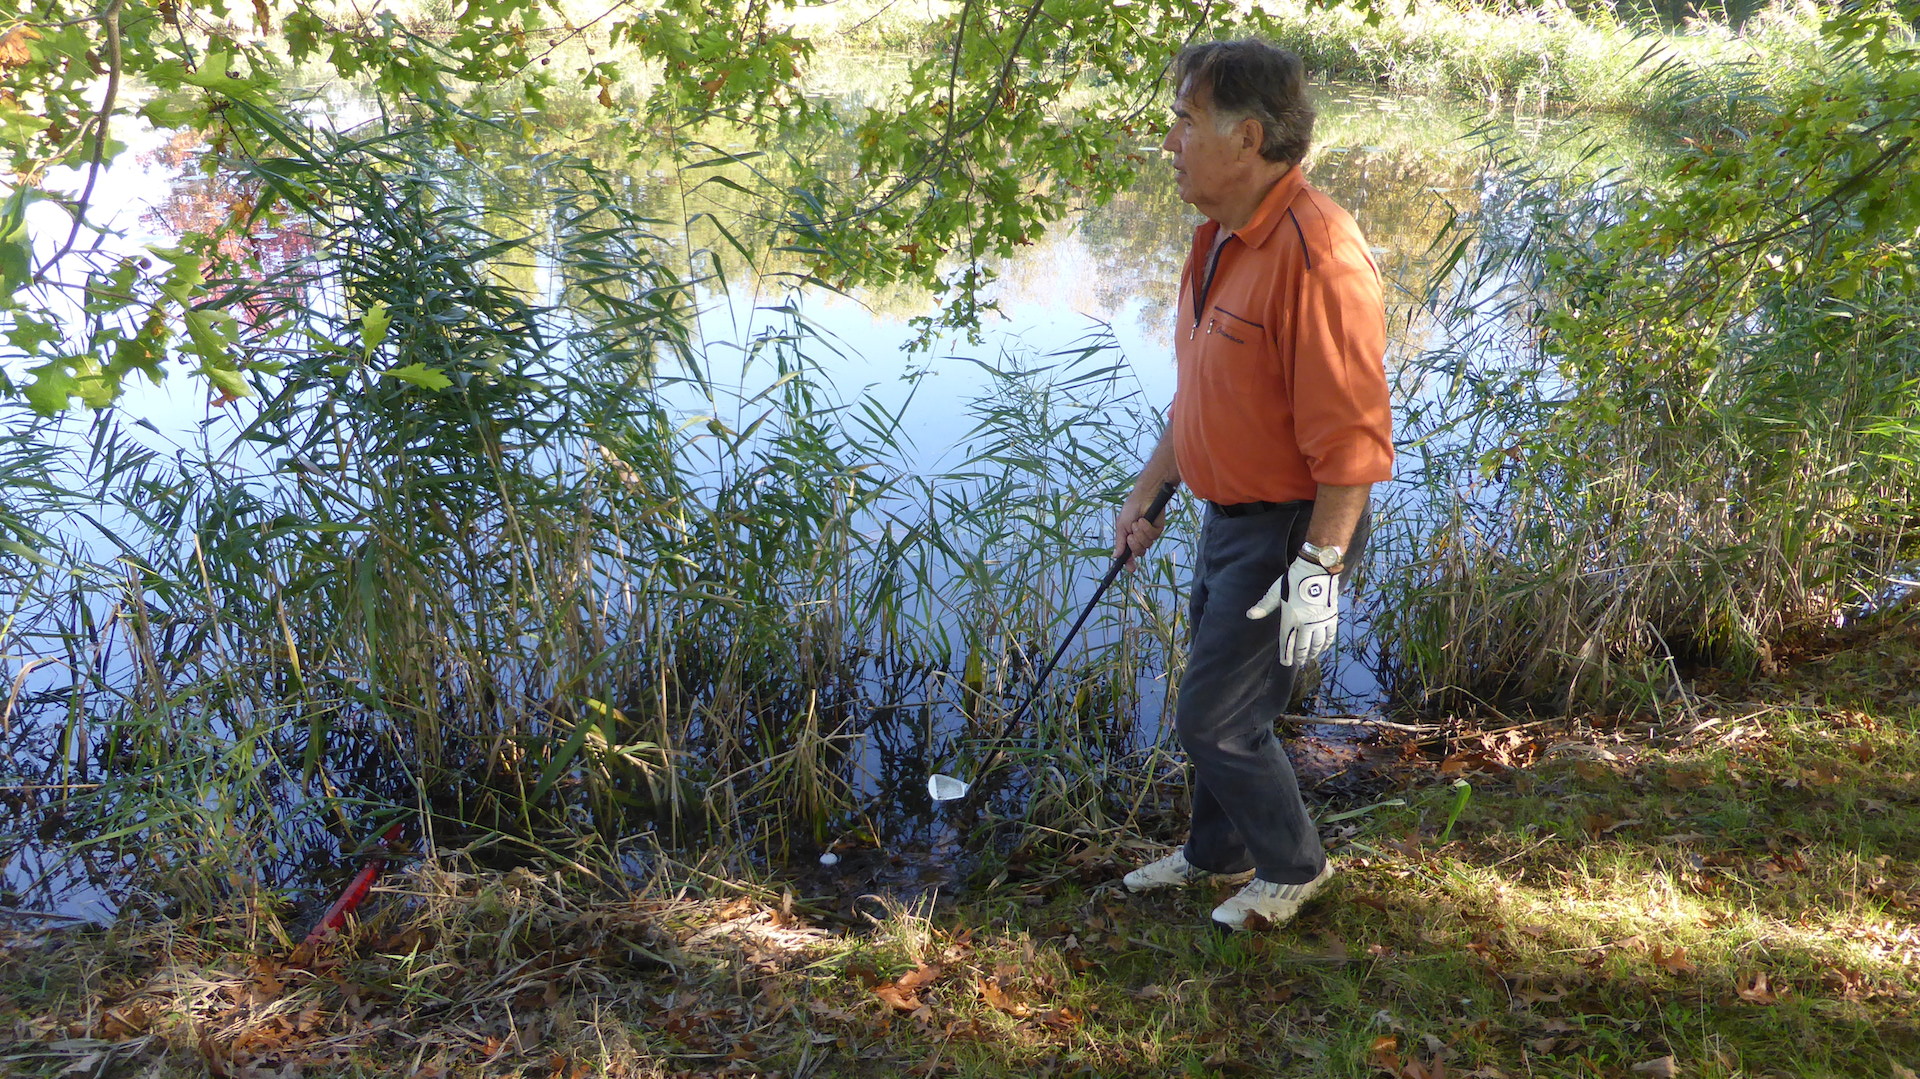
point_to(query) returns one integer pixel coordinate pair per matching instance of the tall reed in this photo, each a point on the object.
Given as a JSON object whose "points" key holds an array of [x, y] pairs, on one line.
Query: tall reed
{"points": [[503, 545], [1674, 425]]}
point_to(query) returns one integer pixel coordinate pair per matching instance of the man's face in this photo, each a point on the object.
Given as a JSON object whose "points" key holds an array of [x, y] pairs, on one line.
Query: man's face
{"points": [[1207, 165]]}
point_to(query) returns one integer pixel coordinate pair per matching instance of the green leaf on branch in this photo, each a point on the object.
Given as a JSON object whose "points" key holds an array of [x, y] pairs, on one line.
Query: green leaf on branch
{"points": [[16, 267], [52, 385], [419, 374], [373, 328], [231, 383]]}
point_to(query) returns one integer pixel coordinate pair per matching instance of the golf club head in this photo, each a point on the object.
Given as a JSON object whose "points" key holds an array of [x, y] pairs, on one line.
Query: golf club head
{"points": [[945, 788]]}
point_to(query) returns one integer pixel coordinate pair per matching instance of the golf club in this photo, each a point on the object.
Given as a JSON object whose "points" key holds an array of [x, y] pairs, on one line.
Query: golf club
{"points": [[946, 788]]}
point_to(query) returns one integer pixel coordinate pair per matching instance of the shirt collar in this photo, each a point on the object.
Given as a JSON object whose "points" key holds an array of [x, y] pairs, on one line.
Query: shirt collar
{"points": [[1266, 217]]}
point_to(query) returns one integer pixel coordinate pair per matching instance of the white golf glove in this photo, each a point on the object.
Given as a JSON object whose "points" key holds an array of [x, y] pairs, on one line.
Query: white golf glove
{"points": [[1310, 613]]}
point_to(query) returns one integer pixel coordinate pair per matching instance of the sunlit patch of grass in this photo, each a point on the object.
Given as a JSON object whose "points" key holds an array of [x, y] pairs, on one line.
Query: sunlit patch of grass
{"points": [[1718, 893]]}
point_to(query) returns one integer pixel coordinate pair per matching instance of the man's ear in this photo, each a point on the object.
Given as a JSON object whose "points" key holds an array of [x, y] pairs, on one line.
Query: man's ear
{"points": [[1252, 135]]}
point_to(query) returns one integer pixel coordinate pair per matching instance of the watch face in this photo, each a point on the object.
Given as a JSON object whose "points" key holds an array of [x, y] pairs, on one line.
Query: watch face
{"points": [[1330, 557]]}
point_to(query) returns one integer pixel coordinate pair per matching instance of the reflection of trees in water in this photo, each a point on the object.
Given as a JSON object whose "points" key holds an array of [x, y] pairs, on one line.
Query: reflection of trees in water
{"points": [[1400, 165]]}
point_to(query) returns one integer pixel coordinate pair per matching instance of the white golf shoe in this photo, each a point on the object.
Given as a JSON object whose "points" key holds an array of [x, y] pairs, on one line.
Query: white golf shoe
{"points": [[1276, 903], [1172, 871]]}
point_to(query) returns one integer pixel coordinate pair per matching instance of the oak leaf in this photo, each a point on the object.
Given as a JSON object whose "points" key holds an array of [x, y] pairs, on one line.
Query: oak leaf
{"points": [[920, 978], [999, 998], [897, 998], [13, 47], [1674, 962]]}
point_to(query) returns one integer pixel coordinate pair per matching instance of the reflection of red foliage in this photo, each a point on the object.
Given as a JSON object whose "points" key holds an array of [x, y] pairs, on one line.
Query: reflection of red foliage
{"points": [[219, 203]]}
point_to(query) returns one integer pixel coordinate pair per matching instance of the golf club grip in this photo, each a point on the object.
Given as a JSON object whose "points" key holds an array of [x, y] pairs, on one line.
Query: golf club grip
{"points": [[1154, 509]]}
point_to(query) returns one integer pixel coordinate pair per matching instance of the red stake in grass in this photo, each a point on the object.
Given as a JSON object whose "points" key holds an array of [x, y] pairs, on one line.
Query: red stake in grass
{"points": [[357, 888]]}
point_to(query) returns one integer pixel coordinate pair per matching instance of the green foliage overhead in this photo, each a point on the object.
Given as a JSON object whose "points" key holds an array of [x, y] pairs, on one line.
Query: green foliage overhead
{"points": [[988, 138]]}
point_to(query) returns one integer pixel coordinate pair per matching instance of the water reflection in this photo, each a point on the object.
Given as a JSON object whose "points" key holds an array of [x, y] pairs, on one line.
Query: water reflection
{"points": [[1403, 167]]}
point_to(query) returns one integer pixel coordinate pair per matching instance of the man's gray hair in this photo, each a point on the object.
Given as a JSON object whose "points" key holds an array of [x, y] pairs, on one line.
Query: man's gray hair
{"points": [[1252, 80]]}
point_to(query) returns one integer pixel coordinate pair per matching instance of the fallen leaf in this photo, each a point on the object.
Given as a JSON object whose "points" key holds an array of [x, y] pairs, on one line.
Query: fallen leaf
{"points": [[1660, 1068], [1674, 962], [1756, 990], [919, 979], [1900, 1071], [1384, 1054], [1528, 997], [1063, 1018], [999, 998], [1558, 1026], [897, 998]]}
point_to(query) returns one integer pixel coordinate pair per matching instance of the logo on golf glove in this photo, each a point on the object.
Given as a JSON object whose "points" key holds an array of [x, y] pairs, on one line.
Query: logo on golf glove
{"points": [[1309, 615]]}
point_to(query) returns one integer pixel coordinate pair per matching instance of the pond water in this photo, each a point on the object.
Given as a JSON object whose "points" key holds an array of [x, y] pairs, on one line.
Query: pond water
{"points": [[1102, 284]]}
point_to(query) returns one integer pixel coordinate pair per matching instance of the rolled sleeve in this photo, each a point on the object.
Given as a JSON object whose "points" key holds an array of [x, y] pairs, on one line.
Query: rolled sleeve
{"points": [[1342, 422]]}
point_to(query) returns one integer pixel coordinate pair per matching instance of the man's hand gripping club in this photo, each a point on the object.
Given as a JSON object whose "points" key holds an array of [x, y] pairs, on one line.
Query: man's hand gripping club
{"points": [[1309, 611]]}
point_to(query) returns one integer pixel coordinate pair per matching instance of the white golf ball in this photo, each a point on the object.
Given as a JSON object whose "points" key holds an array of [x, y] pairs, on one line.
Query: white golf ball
{"points": [[829, 858]]}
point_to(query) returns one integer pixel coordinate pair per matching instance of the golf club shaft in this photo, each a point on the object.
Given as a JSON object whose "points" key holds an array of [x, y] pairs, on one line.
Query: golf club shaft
{"points": [[1120, 561]]}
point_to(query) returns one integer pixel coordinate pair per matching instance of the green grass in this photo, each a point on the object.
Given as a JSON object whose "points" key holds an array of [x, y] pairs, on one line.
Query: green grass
{"points": [[1733, 888], [1549, 56]]}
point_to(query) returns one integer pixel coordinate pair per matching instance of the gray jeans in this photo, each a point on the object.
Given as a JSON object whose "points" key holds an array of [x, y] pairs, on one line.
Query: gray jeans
{"points": [[1247, 811]]}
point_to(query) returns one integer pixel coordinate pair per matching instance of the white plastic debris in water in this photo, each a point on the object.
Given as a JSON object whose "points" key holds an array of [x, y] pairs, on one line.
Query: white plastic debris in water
{"points": [[945, 788], [829, 858]]}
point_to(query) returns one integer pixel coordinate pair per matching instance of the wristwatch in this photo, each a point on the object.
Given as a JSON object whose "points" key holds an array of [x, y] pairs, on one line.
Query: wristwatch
{"points": [[1331, 558]]}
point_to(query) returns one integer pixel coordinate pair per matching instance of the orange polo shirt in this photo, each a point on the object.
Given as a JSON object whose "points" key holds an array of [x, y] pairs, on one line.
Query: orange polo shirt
{"points": [[1282, 376]]}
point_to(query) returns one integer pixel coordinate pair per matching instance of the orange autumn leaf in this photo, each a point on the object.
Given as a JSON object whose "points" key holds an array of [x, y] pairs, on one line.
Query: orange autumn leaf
{"points": [[1384, 1054], [1063, 1018], [921, 978], [999, 998], [13, 47], [1674, 962]]}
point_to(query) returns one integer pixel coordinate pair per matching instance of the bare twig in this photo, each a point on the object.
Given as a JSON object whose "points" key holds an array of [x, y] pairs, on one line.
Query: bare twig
{"points": [[98, 160]]}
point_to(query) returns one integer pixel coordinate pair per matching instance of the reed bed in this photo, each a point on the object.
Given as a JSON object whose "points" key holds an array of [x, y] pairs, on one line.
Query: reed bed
{"points": [[510, 548], [1668, 421]]}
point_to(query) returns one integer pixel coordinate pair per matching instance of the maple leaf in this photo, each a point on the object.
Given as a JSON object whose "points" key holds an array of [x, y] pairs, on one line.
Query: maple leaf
{"points": [[13, 47]]}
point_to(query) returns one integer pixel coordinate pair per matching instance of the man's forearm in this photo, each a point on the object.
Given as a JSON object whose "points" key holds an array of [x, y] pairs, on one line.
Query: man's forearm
{"points": [[1161, 468], [1336, 513]]}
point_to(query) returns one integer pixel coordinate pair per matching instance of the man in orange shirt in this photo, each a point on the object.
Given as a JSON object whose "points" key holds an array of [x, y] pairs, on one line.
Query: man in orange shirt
{"points": [[1280, 423]]}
